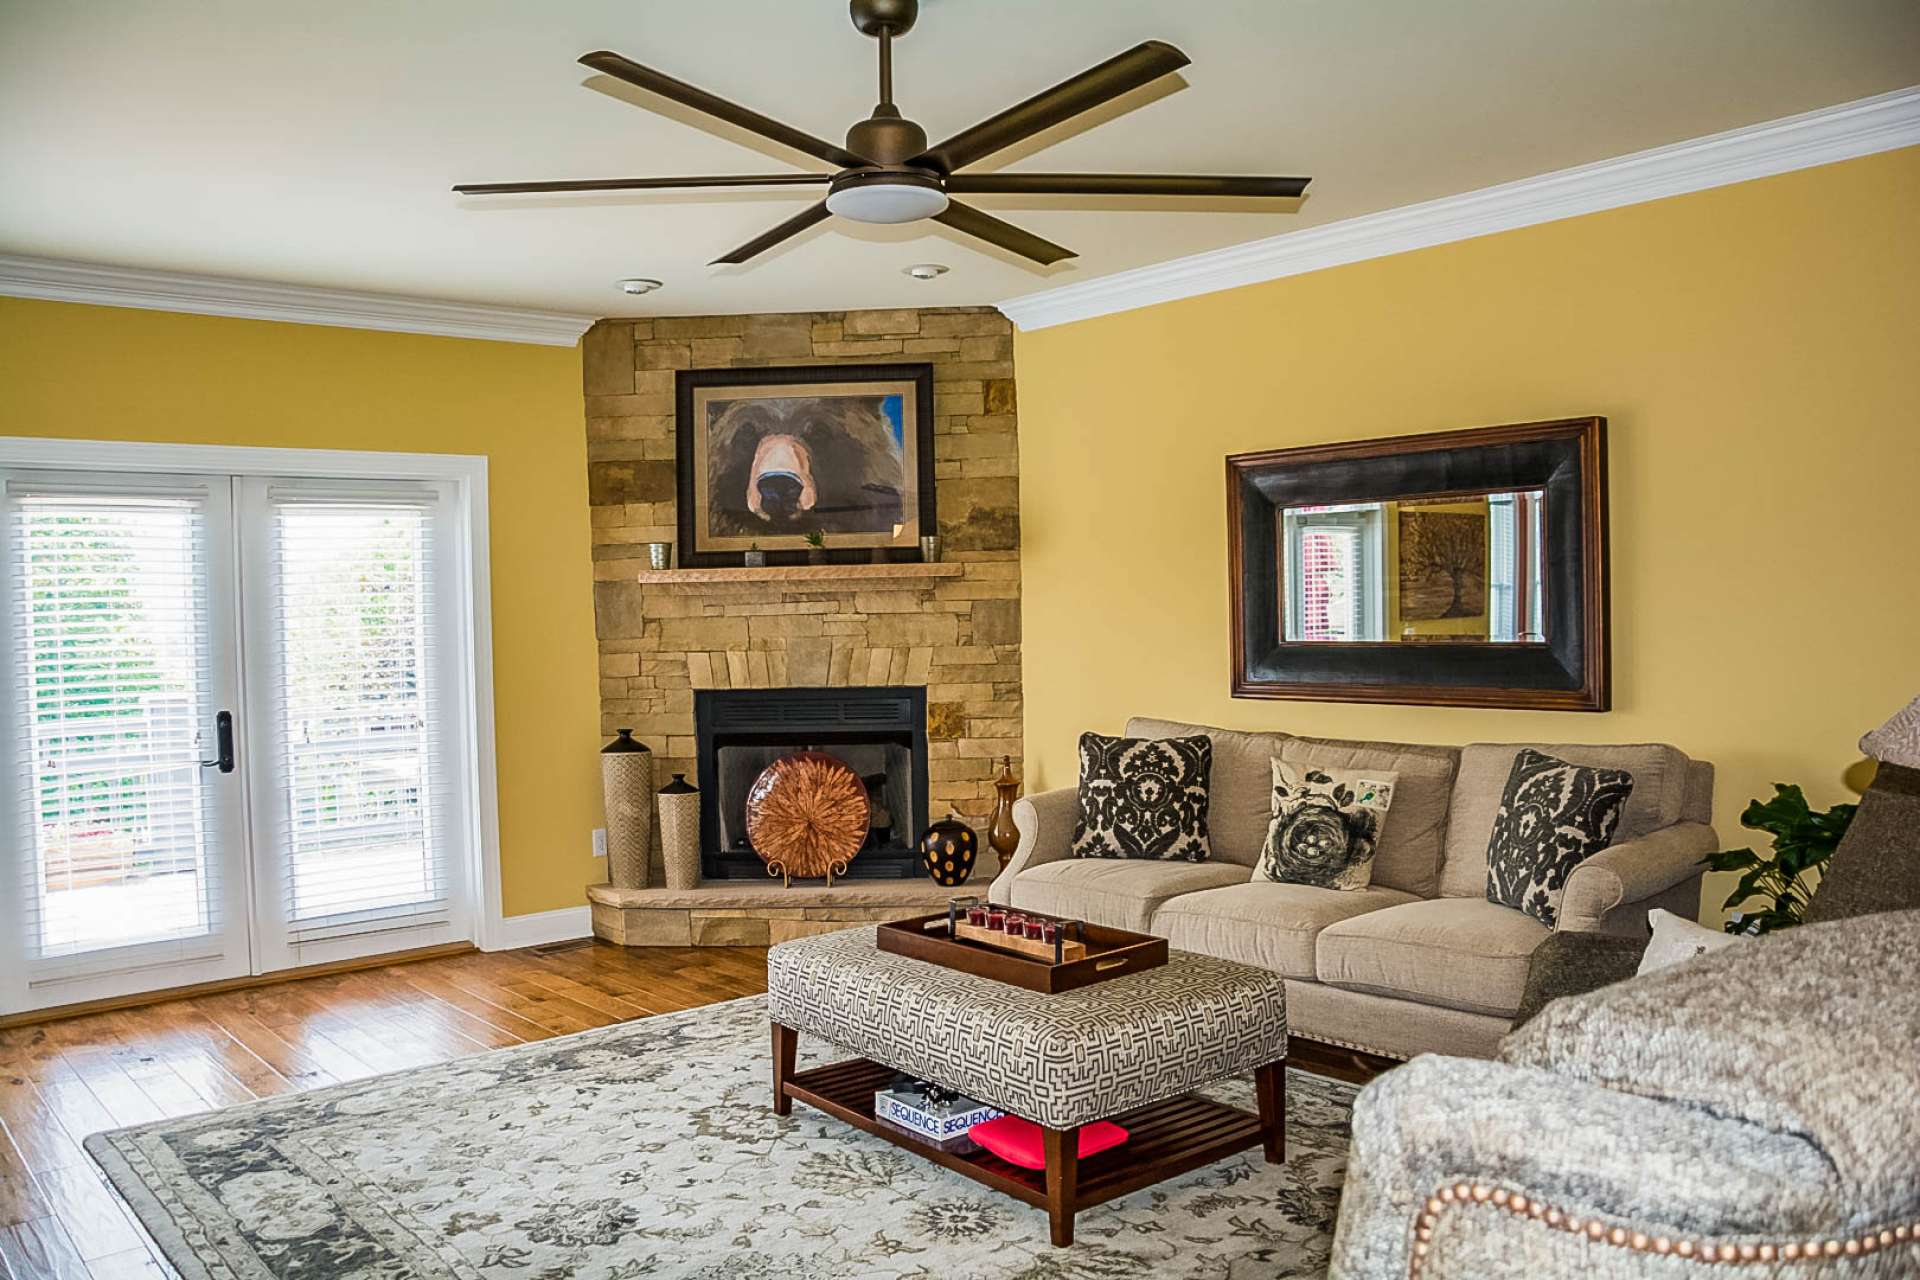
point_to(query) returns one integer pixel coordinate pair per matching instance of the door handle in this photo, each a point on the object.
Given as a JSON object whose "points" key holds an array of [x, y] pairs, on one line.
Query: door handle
{"points": [[223, 731]]}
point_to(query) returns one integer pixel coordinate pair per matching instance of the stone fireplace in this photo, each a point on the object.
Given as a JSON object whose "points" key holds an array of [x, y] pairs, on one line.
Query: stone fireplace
{"points": [[950, 629]]}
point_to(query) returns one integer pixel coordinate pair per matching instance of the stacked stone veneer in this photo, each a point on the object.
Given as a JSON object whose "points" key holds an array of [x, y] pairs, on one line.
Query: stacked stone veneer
{"points": [[959, 636]]}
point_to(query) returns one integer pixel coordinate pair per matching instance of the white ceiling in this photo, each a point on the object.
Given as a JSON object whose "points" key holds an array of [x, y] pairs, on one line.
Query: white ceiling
{"points": [[315, 144]]}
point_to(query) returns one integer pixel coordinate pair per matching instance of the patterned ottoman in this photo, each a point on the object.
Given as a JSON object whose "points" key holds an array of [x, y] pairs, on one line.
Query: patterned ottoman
{"points": [[1131, 1050]]}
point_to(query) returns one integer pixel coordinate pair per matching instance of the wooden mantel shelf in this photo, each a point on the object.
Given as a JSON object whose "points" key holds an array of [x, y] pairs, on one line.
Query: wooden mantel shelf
{"points": [[797, 573]]}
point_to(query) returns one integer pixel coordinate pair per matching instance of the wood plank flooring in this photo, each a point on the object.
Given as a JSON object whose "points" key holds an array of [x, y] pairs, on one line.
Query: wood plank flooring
{"points": [[60, 1081]]}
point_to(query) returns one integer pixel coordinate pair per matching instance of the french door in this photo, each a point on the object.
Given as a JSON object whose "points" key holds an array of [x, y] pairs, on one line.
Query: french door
{"points": [[229, 741]]}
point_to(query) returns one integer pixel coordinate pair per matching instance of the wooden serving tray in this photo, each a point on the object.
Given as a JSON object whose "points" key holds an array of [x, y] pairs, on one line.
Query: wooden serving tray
{"points": [[1110, 953]]}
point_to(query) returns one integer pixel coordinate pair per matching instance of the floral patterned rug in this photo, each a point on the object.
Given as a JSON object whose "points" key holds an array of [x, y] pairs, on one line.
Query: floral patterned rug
{"points": [[648, 1149]]}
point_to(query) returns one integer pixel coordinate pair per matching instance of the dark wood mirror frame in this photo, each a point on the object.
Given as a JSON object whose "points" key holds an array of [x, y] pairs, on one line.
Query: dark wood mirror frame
{"points": [[1569, 672]]}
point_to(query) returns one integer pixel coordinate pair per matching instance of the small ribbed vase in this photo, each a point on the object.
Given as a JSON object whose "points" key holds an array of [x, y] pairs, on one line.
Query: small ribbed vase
{"points": [[626, 777], [679, 803]]}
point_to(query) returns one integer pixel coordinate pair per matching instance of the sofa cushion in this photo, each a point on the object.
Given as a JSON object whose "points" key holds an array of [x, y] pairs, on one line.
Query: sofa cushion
{"points": [[1120, 892], [1463, 953], [1240, 800], [1143, 797], [1409, 854], [1659, 795], [1263, 923]]}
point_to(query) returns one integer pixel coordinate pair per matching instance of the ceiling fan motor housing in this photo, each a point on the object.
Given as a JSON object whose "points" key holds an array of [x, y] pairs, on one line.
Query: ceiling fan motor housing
{"points": [[887, 137]]}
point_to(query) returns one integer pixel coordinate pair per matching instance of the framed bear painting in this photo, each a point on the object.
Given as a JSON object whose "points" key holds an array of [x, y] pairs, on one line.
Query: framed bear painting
{"points": [[768, 457]]}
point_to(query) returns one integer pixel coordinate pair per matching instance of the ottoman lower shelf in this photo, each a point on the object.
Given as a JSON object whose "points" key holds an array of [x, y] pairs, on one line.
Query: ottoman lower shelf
{"points": [[1165, 1140]]}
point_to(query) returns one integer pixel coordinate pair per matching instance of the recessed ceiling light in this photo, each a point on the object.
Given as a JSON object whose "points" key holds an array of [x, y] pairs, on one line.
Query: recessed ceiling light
{"points": [[639, 285], [926, 270]]}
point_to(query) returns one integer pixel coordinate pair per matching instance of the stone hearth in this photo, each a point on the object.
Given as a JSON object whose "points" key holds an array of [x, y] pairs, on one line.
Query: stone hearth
{"points": [[736, 914]]}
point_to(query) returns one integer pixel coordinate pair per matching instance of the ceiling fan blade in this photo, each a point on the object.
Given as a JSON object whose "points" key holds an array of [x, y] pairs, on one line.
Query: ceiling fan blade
{"points": [[766, 240], [687, 95], [642, 184], [1142, 64], [1009, 237], [1123, 184]]}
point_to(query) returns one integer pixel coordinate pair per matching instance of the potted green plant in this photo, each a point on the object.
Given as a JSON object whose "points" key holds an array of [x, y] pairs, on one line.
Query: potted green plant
{"points": [[817, 546], [754, 557], [1803, 840]]}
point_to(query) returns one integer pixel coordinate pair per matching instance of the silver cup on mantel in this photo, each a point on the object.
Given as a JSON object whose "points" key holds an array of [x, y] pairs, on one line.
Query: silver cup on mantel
{"points": [[660, 555], [930, 547]]}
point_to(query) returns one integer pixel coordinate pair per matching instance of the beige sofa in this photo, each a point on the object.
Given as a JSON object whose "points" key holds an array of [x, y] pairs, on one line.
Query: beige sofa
{"points": [[1417, 962]]}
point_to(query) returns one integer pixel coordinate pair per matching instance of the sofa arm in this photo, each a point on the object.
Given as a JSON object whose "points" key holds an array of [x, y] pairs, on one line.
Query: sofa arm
{"points": [[1572, 964], [1630, 873], [1045, 822]]}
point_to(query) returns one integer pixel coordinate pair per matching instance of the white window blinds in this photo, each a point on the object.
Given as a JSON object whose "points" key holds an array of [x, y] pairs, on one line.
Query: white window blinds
{"points": [[358, 827], [111, 703]]}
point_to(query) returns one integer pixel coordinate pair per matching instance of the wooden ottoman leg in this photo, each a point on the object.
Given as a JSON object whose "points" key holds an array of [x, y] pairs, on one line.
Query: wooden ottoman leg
{"points": [[1063, 1180], [785, 1041], [1270, 1086]]}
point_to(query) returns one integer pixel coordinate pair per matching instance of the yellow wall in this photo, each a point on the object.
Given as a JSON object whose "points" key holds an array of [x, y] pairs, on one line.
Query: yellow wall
{"points": [[109, 373], [1756, 349]]}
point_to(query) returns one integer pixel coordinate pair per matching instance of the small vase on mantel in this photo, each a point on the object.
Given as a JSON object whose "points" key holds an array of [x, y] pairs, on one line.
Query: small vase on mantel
{"points": [[626, 778], [1002, 836]]}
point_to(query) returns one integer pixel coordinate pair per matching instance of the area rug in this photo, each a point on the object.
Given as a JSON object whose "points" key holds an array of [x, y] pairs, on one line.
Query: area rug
{"points": [[648, 1149]]}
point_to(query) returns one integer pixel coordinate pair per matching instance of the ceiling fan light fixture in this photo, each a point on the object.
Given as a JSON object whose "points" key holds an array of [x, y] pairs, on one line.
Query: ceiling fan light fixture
{"points": [[639, 285], [885, 197]]}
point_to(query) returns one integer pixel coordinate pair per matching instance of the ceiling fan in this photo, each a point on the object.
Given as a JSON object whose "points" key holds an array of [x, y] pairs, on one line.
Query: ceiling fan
{"points": [[886, 172]]}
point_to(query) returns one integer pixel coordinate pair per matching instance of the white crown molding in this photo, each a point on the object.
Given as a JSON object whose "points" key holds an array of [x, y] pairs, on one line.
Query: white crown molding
{"points": [[60, 281], [1882, 123]]}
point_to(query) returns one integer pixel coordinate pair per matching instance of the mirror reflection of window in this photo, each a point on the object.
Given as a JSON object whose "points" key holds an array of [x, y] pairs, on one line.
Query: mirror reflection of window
{"points": [[1453, 569], [1335, 573]]}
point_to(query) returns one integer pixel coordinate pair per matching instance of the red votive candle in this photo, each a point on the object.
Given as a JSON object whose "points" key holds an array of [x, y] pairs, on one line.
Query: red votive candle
{"points": [[1036, 929], [1049, 931], [1016, 924], [977, 916], [996, 919]]}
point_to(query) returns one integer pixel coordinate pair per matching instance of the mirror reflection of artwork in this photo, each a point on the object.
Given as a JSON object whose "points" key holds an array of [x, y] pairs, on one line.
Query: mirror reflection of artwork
{"points": [[1439, 570], [767, 462], [1443, 561]]}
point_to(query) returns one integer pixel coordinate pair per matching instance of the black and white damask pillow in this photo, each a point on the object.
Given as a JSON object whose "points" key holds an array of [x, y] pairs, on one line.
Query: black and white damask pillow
{"points": [[1553, 816], [1326, 825], [1143, 798]]}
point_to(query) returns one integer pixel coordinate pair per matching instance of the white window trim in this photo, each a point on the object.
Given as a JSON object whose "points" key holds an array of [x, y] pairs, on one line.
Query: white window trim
{"points": [[468, 475]]}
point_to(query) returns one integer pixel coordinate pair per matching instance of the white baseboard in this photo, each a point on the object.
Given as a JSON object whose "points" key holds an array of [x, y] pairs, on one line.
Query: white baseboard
{"points": [[513, 932]]}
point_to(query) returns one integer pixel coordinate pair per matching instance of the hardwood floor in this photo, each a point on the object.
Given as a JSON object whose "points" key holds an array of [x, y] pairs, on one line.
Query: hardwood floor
{"points": [[60, 1081]]}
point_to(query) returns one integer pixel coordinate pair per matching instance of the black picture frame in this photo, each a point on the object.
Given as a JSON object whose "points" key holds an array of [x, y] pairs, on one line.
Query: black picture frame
{"points": [[696, 550], [1569, 671]]}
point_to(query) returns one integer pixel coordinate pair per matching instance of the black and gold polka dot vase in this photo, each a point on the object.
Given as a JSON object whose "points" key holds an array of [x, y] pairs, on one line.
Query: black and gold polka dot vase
{"points": [[948, 849]]}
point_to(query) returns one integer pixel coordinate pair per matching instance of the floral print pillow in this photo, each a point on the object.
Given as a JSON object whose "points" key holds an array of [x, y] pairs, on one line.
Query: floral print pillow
{"points": [[1553, 816], [1326, 825]]}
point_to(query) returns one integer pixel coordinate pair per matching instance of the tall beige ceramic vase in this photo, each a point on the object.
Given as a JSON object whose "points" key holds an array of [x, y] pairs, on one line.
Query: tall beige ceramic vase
{"points": [[679, 804], [626, 776]]}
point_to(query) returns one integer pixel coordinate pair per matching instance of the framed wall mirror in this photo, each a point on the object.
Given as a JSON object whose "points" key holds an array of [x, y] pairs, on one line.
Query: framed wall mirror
{"points": [[1463, 568]]}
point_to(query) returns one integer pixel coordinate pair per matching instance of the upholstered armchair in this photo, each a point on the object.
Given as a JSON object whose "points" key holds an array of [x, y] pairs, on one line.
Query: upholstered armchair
{"points": [[1759, 1105]]}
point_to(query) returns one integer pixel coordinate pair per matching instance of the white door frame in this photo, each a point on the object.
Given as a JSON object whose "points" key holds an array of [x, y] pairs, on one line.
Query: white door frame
{"points": [[468, 476]]}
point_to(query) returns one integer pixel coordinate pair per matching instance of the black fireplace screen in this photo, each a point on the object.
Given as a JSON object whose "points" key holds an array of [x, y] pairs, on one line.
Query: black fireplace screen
{"points": [[879, 732]]}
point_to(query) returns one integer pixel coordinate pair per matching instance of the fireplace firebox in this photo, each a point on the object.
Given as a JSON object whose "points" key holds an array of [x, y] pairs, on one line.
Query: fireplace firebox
{"points": [[880, 732]]}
